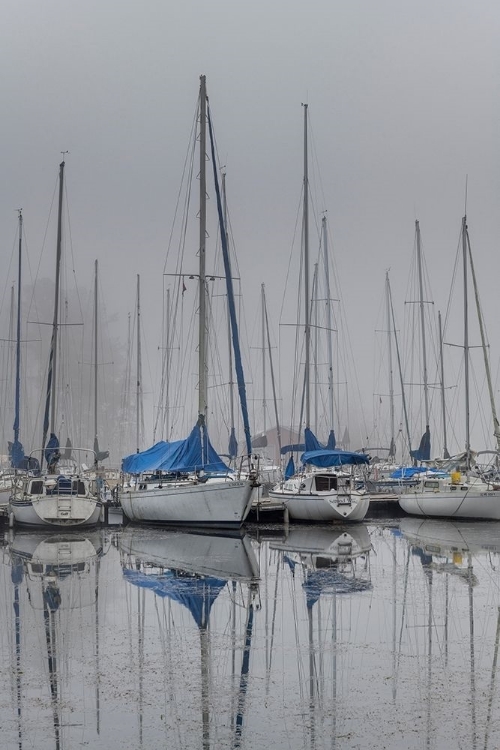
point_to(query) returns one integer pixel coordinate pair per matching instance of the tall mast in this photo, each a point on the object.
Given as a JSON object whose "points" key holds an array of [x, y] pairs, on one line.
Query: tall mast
{"points": [[314, 317], [18, 333], [138, 379], [263, 310], [273, 383], [49, 416], [167, 371], [55, 323], [443, 403], [202, 335], [391, 374], [9, 360], [95, 359], [328, 324], [125, 421], [422, 323], [307, 382], [466, 344]]}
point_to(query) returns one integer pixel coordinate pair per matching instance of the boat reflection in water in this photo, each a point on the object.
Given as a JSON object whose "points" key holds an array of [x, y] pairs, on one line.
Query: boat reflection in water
{"points": [[459, 563], [214, 581], [332, 567], [326, 546], [54, 581]]}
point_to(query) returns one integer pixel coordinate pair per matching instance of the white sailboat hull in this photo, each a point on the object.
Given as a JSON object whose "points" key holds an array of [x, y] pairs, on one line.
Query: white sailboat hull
{"points": [[457, 504], [57, 511], [222, 504], [327, 506]]}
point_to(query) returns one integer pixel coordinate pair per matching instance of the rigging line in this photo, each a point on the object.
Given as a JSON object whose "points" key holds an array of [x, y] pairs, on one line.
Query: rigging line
{"points": [[341, 324], [109, 349], [291, 255], [34, 281], [188, 160], [70, 237], [184, 380], [458, 258], [316, 173]]}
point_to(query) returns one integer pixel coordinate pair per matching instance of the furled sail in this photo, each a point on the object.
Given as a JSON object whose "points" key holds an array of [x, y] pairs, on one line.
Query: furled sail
{"points": [[423, 452], [52, 453]]}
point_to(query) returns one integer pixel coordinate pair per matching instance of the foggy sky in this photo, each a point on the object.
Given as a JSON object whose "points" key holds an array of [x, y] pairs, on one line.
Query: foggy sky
{"points": [[403, 101]]}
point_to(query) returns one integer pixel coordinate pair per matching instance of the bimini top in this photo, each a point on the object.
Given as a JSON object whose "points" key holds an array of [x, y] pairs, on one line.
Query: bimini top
{"points": [[183, 456], [325, 458]]}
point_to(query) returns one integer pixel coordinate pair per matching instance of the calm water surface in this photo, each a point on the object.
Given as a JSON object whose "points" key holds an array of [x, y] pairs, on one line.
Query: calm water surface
{"points": [[382, 635]]}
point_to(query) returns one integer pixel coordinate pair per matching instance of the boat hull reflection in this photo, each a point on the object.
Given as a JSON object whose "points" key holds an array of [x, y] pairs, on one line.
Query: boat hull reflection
{"points": [[228, 557], [325, 546], [450, 536]]}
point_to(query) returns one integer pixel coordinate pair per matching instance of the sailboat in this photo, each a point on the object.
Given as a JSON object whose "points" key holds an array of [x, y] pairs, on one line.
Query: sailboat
{"points": [[54, 495], [322, 490], [462, 493], [186, 481]]}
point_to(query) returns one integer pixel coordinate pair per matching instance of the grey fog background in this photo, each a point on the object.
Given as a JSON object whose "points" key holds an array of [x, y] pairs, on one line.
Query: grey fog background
{"points": [[403, 101]]}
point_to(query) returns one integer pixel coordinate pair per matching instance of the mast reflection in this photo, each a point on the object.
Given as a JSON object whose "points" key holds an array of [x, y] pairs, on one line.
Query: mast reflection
{"points": [[196, 572]]}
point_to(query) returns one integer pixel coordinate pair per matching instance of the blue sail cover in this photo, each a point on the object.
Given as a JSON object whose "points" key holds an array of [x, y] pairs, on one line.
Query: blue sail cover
{"points": [[290, 468], [324, 458], [311, 441], [233, 444], [16, 452], [18, 460], [196, 593], [423, 452], [331, 441], [180, 456], [148, 460], [52, 450], [408, 472]]}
